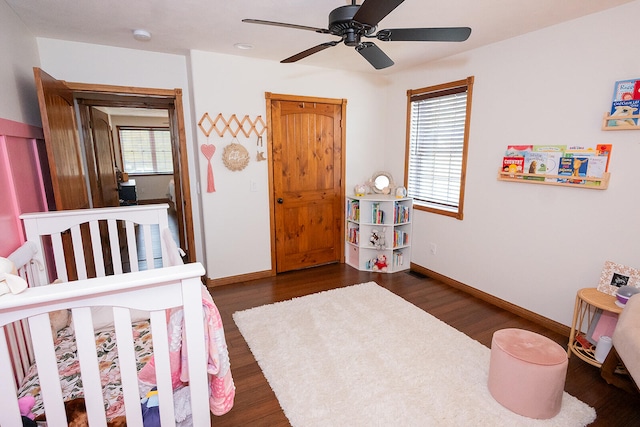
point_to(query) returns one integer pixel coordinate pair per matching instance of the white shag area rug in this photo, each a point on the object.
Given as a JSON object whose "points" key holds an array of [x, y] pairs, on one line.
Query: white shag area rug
{"points": [[363, 356]]}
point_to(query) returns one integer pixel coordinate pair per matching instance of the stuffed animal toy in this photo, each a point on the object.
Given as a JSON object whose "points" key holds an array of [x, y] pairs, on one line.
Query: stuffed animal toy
{"points": [[10, 282], [381, 263], [377, 239], [59, 320]]}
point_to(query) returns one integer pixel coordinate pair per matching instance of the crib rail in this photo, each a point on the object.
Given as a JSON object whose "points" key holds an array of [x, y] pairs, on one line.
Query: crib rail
{"points": [[152, 290], [85, 243]]}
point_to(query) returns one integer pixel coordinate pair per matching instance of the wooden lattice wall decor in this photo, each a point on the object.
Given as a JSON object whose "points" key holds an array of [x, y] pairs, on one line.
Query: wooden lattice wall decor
{"points": [[235, 156], [233, 125]]}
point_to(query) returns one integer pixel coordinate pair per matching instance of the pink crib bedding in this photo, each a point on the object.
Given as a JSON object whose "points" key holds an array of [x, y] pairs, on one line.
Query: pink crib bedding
{"points": [[106, 349]]}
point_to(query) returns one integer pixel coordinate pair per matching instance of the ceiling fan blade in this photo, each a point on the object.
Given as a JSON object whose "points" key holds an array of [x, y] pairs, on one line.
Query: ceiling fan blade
{"points": [[282, 24], [452, 34], [374, 55], [311, 51], [373, 11]]}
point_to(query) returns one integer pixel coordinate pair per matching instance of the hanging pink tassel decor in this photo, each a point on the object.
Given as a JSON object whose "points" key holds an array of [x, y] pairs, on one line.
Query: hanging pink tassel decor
{"points": [[208, 150]]}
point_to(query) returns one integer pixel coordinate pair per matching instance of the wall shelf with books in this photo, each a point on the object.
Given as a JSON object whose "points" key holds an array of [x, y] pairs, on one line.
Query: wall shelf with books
{"points": [[575, 166], [378, 226], [591, 183]]}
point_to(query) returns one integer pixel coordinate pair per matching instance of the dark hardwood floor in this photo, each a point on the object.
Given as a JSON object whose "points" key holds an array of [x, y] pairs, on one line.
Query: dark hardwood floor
{"points": [[256, 404]]}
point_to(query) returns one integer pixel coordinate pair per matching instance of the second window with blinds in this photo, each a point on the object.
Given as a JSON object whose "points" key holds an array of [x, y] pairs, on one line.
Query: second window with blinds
{"points": [[437, 140], [146, 150]]}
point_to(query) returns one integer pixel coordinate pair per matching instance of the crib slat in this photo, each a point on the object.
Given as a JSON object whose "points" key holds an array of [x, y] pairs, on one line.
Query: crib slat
{"points": [[58, 254], [148, 245], [196, 356], [114, 242], [163, 367], [131, 245], [89, 369], [78, 252], [128, 370], [96, 244], [40, 327], [9, 410]]}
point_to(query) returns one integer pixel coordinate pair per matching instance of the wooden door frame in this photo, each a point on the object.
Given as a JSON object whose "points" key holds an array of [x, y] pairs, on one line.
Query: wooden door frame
{"points": [[272, 207], [138, 97]]}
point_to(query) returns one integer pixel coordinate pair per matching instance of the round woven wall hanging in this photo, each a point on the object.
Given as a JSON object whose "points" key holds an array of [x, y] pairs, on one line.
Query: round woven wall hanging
{"points": [[235, 157]]}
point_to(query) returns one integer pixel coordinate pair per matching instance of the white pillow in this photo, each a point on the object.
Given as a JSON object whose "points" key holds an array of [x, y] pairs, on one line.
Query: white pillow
{"points": [[103, 317]]}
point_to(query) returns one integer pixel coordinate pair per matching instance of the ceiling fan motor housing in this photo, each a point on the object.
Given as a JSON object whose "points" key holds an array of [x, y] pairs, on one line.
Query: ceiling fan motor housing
{"points": [[341, 24]]}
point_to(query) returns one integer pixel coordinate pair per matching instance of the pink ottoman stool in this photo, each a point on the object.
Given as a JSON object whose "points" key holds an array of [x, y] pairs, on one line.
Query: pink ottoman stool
{"points": [[527, 373]]}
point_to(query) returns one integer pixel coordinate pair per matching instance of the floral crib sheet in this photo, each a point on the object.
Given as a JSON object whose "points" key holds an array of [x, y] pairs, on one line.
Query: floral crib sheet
{"points": [[69, 367]]}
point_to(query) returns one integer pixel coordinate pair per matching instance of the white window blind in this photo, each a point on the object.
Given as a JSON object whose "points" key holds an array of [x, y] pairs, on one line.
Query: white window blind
{"points": [[436, 147], [146, 150]]}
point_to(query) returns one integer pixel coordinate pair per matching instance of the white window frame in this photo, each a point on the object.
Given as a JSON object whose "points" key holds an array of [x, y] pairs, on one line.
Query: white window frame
{"points": [[437, 145]]}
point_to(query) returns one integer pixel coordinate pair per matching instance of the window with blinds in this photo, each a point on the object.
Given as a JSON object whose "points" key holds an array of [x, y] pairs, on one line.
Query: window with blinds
{"points": [[437, 146], [146, 150]]}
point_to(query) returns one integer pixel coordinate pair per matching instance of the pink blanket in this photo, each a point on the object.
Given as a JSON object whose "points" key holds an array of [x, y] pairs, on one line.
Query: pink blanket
{"points": [[221, 386]]}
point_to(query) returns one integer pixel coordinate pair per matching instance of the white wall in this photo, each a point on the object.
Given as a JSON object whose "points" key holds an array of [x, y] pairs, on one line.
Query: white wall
{"points": [[237, 219], [535, 245], [19, 53], [96, 64]]}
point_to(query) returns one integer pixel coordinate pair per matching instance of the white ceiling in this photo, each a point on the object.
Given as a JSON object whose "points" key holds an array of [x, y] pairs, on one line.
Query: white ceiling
{"points": [[178, 26]]}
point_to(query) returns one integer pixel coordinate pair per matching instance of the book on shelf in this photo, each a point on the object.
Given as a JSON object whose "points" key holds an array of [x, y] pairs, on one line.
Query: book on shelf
{"points": [[517, 150], [377, 214], [553, 154], [603, 150], [400, 238], [536, 163], [400, 213], [398, 258], [353, 210], [624, 90], [513, 164], [353, 234], [621, 112], [573, 167]]}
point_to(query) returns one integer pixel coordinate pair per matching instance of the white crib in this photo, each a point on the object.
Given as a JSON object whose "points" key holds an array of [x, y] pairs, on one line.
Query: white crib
{"points": [[155, 290]]}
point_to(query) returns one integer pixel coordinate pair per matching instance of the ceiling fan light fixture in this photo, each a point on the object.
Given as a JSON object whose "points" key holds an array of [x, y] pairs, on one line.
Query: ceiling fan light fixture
{"points": [[142, 35]]}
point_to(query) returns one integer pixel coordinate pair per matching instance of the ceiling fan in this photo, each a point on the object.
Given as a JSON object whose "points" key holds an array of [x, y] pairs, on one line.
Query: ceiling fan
{"points": [[354, 22]]}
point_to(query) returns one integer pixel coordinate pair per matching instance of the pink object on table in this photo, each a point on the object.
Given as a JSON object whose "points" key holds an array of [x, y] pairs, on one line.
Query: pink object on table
{"points": [[527, 373]]}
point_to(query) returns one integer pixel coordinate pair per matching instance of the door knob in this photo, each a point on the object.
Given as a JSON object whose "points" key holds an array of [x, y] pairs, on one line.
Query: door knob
{"points": [[280, 200]]}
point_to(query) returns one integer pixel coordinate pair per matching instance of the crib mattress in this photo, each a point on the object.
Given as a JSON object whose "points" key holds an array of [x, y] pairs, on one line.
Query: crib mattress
{"points": [[69, 368]]}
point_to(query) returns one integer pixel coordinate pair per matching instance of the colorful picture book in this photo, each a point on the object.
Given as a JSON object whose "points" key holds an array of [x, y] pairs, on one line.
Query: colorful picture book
{"points": [[513, 164], [621, 110], [625, 90]]}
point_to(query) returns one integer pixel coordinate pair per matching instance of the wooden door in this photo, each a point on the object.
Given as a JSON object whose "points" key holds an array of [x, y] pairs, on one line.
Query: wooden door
{"points": [[104, 159], [307, 168], [62, 142]]}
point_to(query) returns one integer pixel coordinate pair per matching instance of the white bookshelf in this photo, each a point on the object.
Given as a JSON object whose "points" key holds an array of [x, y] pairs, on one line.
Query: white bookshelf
{"points": [[387, 216]]}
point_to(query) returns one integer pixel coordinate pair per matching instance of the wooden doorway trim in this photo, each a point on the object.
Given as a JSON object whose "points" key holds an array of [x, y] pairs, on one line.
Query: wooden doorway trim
{"points": [[270, 97], [167, 99]]}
